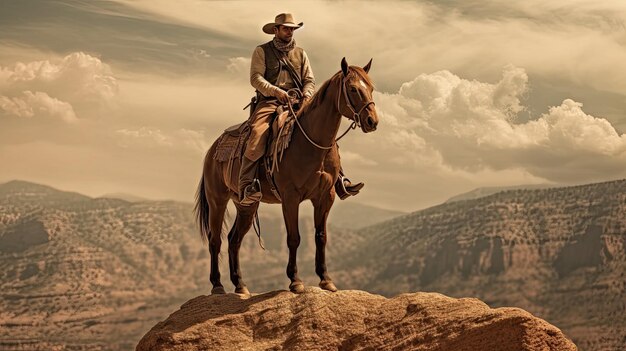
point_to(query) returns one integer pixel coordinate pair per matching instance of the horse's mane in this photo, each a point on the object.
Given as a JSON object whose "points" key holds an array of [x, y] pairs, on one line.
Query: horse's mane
{"points": [[319, 96]]}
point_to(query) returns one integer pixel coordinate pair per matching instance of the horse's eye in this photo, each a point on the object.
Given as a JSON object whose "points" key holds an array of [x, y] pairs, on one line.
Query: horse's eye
{"points": [[353, 89]]}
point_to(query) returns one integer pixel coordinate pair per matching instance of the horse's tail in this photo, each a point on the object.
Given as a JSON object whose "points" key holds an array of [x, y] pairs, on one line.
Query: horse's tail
{"points": [[201, 210]]}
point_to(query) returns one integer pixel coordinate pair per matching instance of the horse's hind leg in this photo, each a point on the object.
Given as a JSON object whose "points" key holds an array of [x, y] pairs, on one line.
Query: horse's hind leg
{"points": [[243, 222], [216, 220]]}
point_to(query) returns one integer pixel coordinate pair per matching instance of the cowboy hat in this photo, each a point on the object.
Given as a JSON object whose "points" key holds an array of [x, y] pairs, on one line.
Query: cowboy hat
{"points": [[283, 19]]}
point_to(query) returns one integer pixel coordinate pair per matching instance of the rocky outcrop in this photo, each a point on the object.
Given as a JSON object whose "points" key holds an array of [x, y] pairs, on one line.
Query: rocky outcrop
{"points": [[349, 320]]}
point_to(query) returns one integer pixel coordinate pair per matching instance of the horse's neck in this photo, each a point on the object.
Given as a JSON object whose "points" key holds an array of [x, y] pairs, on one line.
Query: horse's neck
{"points": [[302, 158], [322, 122]]}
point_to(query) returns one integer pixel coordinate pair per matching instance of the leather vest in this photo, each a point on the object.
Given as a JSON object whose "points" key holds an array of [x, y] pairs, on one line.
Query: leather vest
{"points": [[273, 66]]}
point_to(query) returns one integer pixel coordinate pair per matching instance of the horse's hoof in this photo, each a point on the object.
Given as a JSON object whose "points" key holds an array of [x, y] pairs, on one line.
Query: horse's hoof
{"points": [[297, 287], [218, 290], [328, 285], [243, 291]]}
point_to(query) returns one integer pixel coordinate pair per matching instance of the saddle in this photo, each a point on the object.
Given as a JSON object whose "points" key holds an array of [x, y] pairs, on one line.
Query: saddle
{"points": [[231, 144]]}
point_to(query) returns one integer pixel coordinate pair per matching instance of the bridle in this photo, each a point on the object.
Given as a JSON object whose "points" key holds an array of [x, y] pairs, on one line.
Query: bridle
{"points": [[356, 116]]}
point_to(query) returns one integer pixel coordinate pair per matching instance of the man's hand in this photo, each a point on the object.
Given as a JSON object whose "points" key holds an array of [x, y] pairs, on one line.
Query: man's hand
{"points": [[282, 96]]}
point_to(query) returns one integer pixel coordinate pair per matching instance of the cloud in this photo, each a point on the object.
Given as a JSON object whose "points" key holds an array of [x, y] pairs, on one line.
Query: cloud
{"points": [[199, 54], [77, 82], [181, 139], [471, 126], [182, 69], [146, 136], [37, 104], [352, 158], [434, 35], [239, 65]]}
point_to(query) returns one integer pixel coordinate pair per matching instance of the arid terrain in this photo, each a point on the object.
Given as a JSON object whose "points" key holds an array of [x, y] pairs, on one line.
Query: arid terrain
{"points": [[83, 273]]}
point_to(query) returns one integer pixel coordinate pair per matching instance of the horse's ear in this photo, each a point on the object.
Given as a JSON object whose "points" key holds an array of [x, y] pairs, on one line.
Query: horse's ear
{"points": [[344, 66], [367, 67]]}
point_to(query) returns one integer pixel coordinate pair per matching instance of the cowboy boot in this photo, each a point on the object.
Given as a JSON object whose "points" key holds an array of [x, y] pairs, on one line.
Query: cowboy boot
{"points": [[344, 187], [249, 186]]}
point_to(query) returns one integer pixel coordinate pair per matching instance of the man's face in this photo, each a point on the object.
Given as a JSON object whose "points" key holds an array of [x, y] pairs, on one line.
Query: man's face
{"points": [[284, 33]]}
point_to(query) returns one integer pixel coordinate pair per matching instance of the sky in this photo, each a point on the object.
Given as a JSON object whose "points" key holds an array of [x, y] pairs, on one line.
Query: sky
{"points": [[126, 96]]}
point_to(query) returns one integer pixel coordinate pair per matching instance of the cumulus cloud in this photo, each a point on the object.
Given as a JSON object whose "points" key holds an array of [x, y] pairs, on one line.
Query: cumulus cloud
{"points": [[77, 82], [469, 125], [38, 103], [181, 139]]}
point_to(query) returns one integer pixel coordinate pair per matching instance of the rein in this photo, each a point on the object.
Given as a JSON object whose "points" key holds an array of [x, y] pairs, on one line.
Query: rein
{"points": [[356, 116], [297, 93]]}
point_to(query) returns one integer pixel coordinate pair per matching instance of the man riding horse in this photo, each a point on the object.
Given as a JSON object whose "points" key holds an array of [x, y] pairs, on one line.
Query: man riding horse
{"points": [[277, 66], [309, 158]]}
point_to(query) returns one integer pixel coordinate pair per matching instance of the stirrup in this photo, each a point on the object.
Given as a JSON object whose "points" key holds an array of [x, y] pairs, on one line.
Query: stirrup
{"points": [[252, 193], [346, 191]]}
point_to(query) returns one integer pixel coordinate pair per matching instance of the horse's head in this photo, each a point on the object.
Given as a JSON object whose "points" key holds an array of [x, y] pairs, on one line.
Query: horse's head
{"points": [[355, 98]]}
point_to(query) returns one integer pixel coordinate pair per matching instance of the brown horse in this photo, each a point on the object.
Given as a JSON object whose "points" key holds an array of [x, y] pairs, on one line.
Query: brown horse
{"points": [[307, 172]]}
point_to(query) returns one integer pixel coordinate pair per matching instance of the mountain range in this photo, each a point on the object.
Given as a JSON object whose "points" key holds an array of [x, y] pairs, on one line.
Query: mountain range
{"points": [[490, 190], [92, 273]]}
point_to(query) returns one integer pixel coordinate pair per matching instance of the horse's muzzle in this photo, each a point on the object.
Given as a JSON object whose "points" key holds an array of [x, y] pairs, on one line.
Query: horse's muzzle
{"points": [[369, 124]]}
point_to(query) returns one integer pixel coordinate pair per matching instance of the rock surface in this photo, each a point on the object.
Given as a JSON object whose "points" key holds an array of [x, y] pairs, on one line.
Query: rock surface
{"points": [[349, 320]]}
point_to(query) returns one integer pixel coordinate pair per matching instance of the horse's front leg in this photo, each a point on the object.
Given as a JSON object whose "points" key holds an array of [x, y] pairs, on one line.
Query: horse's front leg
{"points": [[290, 214], [321, 209]]}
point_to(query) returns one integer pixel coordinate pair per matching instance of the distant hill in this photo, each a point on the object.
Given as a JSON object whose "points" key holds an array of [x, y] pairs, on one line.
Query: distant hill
{"points": [[345, 214], [125, 197], [486, 191], [19, 192], [87, 273], [558, 253]]}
